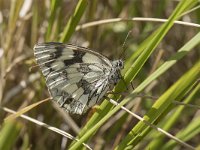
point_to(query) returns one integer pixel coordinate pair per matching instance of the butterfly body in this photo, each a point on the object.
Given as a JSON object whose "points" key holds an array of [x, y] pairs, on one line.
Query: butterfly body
{"points": [[77, 78]]}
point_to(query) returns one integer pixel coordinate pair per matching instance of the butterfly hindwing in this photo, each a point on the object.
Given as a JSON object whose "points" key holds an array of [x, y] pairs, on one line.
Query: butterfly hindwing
{"points": [[76, 77]]}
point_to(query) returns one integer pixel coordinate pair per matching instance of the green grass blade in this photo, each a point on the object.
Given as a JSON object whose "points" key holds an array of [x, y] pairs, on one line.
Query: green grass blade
{"points": [[129, 76], [55, 7], [34, 28], [8, 134], [172, 60], [187, 133], [153, 66], [13, 16], [73, 21], [140, 130]]}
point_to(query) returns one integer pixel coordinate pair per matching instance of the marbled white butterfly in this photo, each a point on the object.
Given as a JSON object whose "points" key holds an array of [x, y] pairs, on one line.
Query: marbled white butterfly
{"points": [[77, 78]]}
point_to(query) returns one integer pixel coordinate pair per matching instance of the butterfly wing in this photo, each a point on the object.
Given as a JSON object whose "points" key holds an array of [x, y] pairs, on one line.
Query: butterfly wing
{"points": [[75, 76]]}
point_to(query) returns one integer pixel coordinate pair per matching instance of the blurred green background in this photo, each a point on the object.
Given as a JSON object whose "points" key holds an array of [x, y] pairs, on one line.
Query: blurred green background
{"points": [[23, 23]]}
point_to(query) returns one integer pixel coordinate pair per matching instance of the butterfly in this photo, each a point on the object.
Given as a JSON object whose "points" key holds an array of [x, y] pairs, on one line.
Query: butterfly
{"points": [[77, 78]]}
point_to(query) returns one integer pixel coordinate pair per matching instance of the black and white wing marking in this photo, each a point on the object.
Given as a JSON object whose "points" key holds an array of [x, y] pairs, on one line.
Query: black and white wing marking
{"points": [[77, 78]]}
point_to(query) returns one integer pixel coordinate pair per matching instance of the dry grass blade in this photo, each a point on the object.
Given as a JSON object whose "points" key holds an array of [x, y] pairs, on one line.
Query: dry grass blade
{"points": [[54, 129], [24, 110], [114, 20], [154, 56], [152, 126]]}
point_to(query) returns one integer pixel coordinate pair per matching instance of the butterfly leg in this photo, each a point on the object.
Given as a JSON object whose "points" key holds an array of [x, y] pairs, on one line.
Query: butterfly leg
{"points": [[94, 109], [132, 86], [118, 93]]}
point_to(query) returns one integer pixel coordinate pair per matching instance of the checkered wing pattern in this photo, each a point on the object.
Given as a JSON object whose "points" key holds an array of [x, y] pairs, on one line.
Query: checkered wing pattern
{"points": [[77, 78]]}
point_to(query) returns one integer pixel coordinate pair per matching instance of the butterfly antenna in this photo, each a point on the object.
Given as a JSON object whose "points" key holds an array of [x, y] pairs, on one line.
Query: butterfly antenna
{"points": [[124, 44]]}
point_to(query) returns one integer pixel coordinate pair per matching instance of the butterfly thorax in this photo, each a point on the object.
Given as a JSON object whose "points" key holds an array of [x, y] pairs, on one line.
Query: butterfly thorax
{"points": [[115, 74]]}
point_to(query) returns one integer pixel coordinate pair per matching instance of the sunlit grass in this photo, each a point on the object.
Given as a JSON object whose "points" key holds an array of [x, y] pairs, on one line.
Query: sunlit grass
{"points": [[162, 62]]}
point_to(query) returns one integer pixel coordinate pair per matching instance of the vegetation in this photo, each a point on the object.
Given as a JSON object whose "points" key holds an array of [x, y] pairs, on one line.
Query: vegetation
{"points": [[159, 42]]}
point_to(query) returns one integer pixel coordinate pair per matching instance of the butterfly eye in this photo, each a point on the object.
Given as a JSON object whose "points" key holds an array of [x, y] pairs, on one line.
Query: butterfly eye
{"points": [[121, 64]]}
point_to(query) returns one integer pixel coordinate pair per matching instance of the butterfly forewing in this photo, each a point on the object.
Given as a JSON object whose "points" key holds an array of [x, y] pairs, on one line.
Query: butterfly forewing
{"points": [[77, 78]]}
